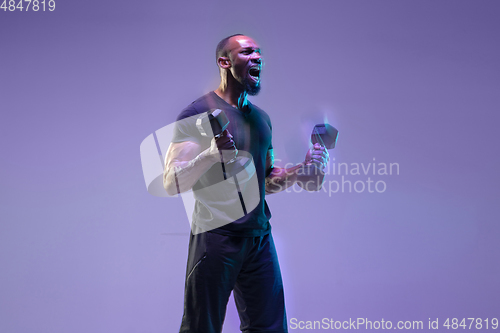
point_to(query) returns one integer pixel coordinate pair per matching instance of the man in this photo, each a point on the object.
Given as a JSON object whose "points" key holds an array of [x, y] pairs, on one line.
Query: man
{"points": [[238, 256]]}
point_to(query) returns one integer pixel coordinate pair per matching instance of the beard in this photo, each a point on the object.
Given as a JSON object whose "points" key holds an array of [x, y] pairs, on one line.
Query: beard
{"points": [[251, 87]]}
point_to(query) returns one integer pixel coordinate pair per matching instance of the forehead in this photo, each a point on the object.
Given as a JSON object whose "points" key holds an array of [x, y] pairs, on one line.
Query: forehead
{"points": [[242, 42]]}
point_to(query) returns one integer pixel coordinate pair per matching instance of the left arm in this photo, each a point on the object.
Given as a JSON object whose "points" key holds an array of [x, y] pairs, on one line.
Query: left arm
{"points": [[280, 179]]}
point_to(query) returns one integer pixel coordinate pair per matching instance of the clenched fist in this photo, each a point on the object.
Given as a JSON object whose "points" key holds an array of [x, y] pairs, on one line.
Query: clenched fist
{"points": [[222, 148], [317, 155]]}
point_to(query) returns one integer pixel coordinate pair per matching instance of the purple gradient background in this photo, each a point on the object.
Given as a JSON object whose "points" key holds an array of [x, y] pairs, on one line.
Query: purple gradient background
{"points": [[84, 247]]}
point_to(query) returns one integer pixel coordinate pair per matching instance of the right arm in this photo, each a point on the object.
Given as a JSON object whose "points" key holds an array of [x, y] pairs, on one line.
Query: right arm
{"points": [[185, 162]]}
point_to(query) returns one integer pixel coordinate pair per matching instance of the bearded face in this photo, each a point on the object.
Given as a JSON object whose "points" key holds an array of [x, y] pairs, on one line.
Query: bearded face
{"points": [[246, 63]]}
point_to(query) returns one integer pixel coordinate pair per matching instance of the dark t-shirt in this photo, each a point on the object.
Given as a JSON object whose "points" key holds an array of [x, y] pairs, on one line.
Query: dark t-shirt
{"points": [[217, 201]]}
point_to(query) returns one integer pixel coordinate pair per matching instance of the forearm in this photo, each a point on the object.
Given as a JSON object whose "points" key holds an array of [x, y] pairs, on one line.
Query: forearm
{"points": [[311, 178], [180, 176], [280, 178]]}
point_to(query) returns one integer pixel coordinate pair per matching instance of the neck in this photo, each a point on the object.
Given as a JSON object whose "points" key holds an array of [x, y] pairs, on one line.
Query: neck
{"points": [[232, 94]]}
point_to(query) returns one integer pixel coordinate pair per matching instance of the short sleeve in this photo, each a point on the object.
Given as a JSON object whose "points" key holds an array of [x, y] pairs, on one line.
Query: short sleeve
{"points": [[185, 127]]}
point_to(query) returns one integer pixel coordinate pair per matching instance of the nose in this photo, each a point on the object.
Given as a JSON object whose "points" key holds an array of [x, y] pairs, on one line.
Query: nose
{"points": [[256, 58]]}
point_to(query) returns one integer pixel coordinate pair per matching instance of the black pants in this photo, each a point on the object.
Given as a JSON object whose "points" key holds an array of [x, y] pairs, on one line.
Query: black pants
{"points": [[218, 264]]}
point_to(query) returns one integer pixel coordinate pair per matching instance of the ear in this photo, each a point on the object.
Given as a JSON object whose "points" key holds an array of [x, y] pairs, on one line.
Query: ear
{"points": [[224, 62]]}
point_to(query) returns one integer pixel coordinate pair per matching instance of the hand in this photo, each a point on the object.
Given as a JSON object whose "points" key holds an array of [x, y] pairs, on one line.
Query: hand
{"points": [[317, 155], [223, 148]]}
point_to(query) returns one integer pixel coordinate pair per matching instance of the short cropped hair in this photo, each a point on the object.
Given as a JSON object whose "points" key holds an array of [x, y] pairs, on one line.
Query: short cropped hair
{"points": [[221, 51]]}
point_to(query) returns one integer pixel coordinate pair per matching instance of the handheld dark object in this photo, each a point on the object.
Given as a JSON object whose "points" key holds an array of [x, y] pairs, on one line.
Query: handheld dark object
{"points": [[324, 134], [215, 123], [212, 123]]}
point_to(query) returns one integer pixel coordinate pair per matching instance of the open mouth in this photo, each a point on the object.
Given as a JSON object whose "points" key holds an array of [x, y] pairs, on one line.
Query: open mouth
{"points": [[254, 72]]}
